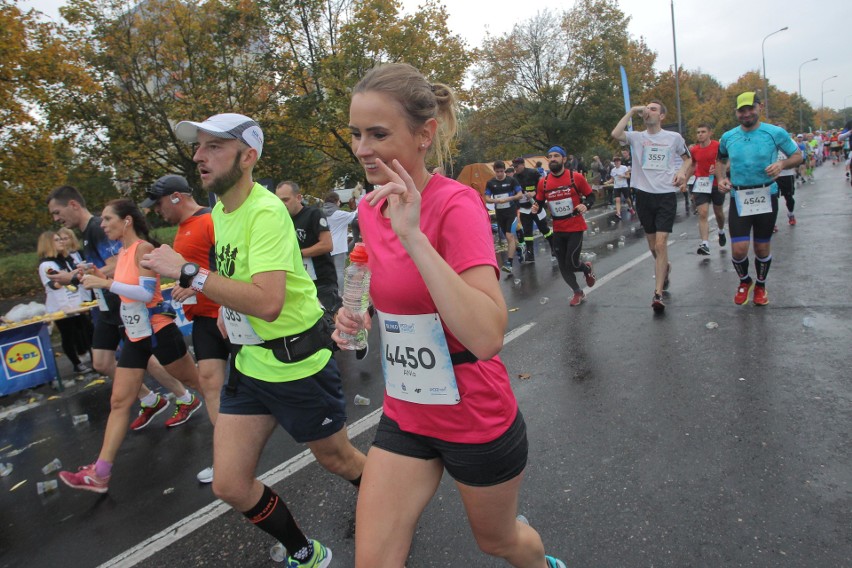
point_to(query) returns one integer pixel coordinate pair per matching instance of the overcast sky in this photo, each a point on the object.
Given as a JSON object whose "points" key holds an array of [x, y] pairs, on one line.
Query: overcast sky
{"points": [[721, 38]]}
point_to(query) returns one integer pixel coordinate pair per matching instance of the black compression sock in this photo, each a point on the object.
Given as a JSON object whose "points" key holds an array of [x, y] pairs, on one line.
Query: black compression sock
{"points": [[741, 266], [761, 266], [272, 515]]}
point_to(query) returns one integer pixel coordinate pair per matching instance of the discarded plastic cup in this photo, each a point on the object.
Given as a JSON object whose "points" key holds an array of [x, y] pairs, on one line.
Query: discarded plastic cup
{"points": [[609, 246], [517, 282], [808, 322], [43, 487], [712, 325], [277, 552], [361, 400], [55, 465], [620, 244], [80, 418], [6, 469], [544, 300]]}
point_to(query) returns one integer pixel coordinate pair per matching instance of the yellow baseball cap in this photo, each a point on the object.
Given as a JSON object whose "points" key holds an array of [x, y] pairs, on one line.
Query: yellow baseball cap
{"points": [[749, 98]]}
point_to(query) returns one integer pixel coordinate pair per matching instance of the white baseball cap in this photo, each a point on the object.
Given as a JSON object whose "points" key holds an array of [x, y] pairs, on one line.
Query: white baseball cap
{"points": [[228, 125]]}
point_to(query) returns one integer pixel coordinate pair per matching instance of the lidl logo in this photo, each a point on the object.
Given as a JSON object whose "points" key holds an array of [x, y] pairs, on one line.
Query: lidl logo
{"points": [[22, 357]]}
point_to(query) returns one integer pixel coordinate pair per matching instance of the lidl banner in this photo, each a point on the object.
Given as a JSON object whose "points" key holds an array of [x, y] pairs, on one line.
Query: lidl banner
{"points": [[28, 359]]}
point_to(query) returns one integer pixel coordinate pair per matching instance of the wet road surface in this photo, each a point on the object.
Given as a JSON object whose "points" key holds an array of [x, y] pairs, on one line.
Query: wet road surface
{"points": [[654, 441]]}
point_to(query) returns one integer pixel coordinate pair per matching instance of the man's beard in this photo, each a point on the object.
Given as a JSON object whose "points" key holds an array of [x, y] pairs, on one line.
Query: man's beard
{"points": [[222, 184], [555, 167], [749, 121]]}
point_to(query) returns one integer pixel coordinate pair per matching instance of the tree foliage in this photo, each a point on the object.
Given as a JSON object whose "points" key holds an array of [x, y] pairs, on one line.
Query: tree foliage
{"points": [[554, 79]]}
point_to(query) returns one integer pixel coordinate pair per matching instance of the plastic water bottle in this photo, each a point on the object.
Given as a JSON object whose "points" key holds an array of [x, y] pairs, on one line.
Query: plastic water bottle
{"points": [[356, 294]]}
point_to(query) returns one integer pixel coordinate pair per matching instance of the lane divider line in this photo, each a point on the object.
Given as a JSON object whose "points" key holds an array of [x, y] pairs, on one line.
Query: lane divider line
{"points": [[620, 270]]}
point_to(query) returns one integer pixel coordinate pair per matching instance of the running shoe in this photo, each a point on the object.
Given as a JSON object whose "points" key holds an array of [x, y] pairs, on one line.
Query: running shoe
{"points": [[321, 558], [590, 276], [760, 298], [631, 211], [791, 219], [553, 259], [529, 255], [618, 216], [704, 250], [147, 413], [666, 281], [205, 475], [85, 479], [577, 299], [183, 411], [507, 266], [82, 368], [657, 303], [554, 562], [723, 239], [741, 298]]}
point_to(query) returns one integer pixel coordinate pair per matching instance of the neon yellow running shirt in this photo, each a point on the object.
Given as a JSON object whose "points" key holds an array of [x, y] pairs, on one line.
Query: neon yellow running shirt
{"points": [[259, 237]]}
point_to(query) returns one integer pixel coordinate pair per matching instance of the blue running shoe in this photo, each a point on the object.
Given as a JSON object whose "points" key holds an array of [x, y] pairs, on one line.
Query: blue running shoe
{"points": [[321, 558], [554, 562]]}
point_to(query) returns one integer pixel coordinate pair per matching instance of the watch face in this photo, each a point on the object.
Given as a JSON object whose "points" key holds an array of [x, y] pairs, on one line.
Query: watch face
{"points": [[190, 269]]}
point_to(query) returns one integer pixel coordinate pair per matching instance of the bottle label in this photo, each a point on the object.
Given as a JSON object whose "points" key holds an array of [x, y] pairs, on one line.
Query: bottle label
{"points": [[240, 331], [416, 360]]}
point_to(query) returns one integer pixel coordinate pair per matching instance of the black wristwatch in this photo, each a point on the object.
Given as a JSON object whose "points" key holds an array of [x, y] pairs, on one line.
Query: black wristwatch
{"points": [[187, 272]]}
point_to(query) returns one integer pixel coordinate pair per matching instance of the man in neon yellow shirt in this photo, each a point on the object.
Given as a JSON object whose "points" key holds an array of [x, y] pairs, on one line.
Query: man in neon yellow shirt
{"points": [[283, 372]]}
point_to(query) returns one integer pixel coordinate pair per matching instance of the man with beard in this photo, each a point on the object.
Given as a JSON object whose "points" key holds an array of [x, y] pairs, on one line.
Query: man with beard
{"points": [[528, 180], [281, 369], [753, 148], [657, 182], [568, 196]]}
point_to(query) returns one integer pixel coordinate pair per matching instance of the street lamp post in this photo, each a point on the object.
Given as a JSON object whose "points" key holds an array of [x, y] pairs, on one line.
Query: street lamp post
{"points": [[763, 57], [801, 127], [822, 99]]}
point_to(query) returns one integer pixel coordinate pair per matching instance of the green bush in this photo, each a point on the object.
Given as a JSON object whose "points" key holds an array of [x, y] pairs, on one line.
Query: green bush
{"points": [[19, 272], [19, 275]]}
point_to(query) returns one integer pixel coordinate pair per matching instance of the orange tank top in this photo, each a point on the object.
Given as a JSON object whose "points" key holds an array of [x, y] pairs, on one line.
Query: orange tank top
{"points": [[127, 272]]}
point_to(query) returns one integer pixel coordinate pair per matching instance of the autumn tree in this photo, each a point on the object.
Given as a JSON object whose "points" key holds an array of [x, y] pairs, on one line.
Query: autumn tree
{"points": [[155, 63], [554, 79], [324, 47], [33, 64]]}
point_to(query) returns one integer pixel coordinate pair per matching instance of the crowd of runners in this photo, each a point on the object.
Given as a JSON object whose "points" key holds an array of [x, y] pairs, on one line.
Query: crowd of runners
{"points": [[256, 276]]}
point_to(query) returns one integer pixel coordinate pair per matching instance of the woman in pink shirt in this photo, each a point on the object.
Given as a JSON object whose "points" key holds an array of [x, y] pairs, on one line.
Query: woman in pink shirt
{"points": [[448, 402]]}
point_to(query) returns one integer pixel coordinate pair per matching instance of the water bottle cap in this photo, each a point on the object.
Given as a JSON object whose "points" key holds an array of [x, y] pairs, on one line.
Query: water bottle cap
{"points": [[359, 254]]}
